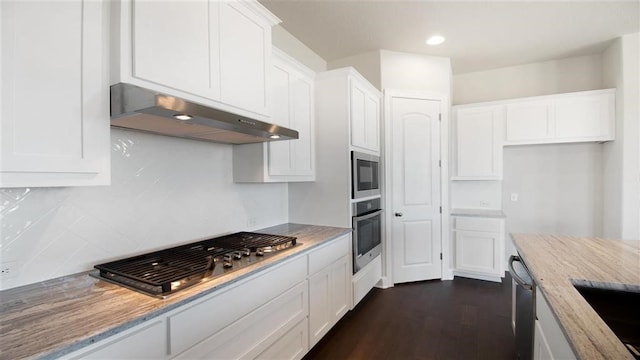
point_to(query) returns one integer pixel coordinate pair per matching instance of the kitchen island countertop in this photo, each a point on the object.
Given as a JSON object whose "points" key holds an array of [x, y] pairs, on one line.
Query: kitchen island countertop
{"points": [[55, 317], [554, 261]]}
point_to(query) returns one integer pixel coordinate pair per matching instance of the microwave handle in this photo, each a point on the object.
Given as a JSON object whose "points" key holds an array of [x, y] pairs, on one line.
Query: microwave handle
{"points": [[367, 216]]}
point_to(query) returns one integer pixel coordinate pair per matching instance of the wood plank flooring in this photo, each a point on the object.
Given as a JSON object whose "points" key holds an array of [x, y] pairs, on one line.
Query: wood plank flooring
{"points": [[459, 319]]}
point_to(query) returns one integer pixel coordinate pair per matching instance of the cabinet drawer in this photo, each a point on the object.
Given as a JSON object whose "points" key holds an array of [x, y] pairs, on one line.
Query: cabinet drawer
{"points": [[324, 256], [145, 341], [477, 224], [198, 322], [293, 345], [256, 332]]}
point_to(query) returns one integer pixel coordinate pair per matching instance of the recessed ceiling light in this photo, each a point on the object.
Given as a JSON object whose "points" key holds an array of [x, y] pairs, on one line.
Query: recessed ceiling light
{"points": [[435, 40], [183, 117], [275, 136]]}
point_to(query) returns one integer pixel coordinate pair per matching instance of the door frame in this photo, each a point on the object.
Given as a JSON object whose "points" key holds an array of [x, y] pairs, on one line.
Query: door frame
{"points": [[386, 139]]}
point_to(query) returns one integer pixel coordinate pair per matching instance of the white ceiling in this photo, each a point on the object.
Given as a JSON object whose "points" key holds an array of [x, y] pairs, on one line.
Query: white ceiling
{"points": [[480, 35]]}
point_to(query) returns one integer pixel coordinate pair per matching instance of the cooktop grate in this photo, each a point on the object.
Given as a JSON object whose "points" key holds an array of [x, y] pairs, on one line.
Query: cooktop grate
{"points": [[164, 271], [248, 240]]}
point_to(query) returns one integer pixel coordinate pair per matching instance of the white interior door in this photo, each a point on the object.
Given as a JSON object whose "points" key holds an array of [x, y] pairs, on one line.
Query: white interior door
{"points": [[415, 175]]}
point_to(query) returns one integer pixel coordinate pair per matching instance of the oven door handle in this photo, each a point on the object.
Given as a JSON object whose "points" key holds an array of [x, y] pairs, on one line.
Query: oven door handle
{"points": [[367, 216], [515, 276]]}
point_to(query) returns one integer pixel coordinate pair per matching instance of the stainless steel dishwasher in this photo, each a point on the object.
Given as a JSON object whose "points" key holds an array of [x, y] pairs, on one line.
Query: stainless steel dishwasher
{"points": [[525, 307]]}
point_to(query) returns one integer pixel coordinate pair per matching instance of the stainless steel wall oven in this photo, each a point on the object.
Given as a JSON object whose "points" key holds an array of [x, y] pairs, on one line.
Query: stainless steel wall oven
{"points": [[367, 232]]}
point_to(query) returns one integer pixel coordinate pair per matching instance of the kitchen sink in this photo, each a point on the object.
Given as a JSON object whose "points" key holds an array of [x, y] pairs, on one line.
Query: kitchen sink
{"points": [[618, 306]]}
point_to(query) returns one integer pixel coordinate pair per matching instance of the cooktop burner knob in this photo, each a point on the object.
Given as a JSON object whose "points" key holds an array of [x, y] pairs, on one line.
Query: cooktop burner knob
{"points": [[227, 258], [227, 264], [237, 255], [246, 252], [259, 252]]}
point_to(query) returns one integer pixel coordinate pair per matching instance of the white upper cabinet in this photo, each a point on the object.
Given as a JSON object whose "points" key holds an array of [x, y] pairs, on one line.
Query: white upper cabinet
{"points": [[292, 106], [528, 120], [55, 94], [220, 57], [478, 142], [572, 117], [365, 115]]}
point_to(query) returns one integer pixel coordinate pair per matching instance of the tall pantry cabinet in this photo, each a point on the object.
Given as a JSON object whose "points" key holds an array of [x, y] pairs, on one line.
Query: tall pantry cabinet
{"points": [[347, 119]]}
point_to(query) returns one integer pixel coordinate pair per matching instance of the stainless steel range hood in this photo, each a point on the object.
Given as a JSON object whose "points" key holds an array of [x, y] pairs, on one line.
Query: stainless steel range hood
{"points": [[133, 107]]}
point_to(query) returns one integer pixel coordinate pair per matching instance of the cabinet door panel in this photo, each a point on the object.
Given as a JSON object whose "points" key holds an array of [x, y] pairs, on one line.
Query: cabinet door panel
{"points": [[479, 142], [302, 111], [372, 123], [255, 332], [358, 116], [293, 345], [280, 161], [477, 251], [171, 51], [541, 349], [582, 116], [319, 305], [529, 121], [244, 58], [340, 288], [54, 104]]}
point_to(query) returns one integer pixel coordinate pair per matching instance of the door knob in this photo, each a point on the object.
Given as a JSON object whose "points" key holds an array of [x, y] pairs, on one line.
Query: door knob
{"points": [[398, 214]]}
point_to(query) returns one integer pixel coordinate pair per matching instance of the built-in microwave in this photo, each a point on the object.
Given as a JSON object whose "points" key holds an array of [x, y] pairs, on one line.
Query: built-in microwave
{"points": [[365, 175]]}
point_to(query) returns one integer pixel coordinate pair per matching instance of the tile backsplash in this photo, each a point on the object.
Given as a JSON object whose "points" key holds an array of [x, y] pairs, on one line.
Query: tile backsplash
{"points": [[164, 191]]}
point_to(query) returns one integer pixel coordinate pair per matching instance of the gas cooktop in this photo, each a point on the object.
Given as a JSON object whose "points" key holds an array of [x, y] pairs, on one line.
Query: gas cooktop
{"points": [[162, 273]]}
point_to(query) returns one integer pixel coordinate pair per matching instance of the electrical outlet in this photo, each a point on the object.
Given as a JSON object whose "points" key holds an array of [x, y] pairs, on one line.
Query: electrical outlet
{"points": [[484, 203], [8, 269], [251, 222], [514, 197]]}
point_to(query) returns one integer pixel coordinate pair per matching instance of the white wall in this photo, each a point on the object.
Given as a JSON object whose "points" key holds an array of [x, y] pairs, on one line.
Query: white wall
{"points": [[476, 195], [559, 189], [367, 64], [283, 40], [165, 191], [406, 71], [621, 62], [542, 78]]}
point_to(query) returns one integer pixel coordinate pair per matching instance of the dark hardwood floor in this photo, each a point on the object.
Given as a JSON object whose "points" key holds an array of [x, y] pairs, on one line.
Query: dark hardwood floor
{"points": [[459, 319]]}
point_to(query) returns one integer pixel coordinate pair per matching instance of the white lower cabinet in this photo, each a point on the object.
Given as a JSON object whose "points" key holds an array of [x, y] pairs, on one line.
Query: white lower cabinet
{"points": [[328, 298], [479, 248], [203, 326], [366, 278], [127, 345], [329, 287], [254, 333], [549, 339], [293, 345], [541, 349]]}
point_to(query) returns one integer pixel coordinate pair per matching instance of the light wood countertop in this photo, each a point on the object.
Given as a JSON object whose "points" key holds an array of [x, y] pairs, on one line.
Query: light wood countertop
{"points": [[55, 317], [556, 260]]}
